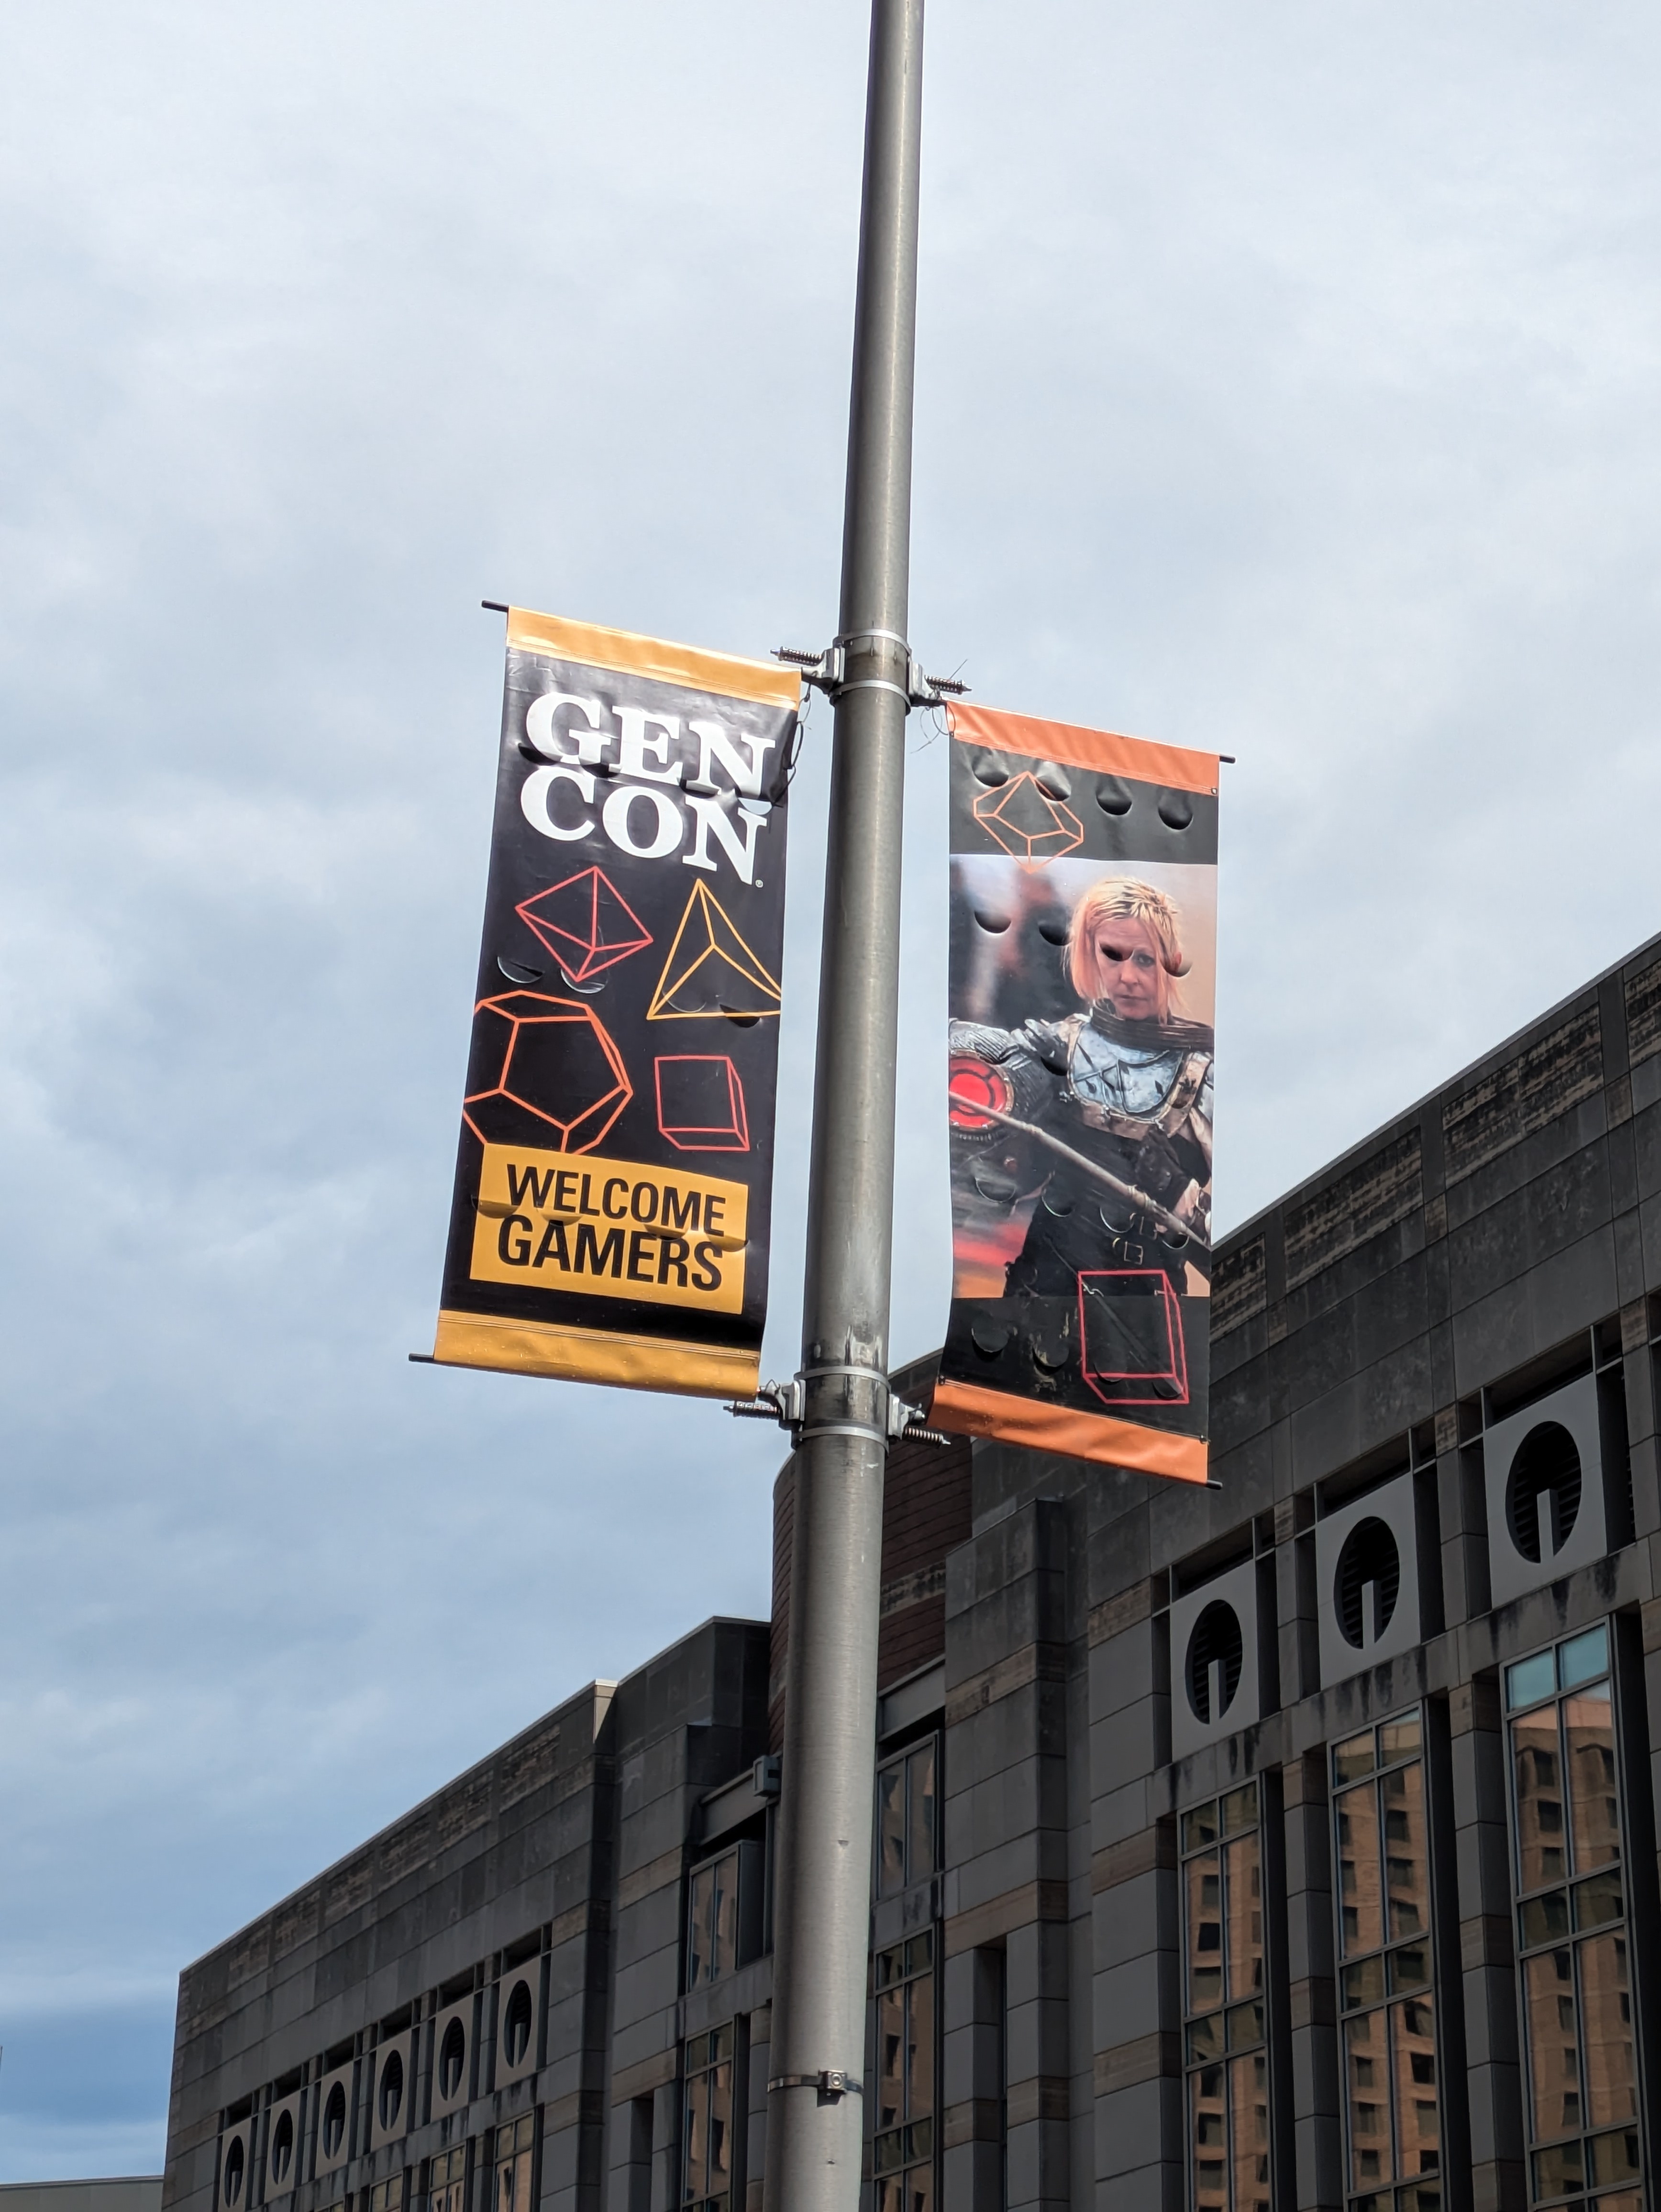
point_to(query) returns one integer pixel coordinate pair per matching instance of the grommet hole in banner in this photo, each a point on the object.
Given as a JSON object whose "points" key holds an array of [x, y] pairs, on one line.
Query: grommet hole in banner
{"points": [[1176, 808], [1112, 797]]}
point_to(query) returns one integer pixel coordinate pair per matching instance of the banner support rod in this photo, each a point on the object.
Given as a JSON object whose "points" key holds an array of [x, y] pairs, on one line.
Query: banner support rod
{"points": [[823, 1896]]}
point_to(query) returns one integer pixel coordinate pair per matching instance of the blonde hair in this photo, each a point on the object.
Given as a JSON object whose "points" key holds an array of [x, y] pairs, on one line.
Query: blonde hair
{"points": [[1124, 898]]}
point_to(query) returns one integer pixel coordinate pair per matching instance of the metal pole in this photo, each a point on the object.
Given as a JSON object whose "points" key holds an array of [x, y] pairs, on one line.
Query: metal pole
{"points": [[823, 1894]]}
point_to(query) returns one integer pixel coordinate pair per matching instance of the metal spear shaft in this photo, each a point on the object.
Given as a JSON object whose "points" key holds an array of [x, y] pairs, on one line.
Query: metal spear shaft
{"points": [[823, 1892]]}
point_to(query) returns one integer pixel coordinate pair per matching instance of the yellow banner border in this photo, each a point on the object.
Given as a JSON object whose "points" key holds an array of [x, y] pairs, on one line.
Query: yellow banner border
{"points": [[688, 665], [591, 1355]]}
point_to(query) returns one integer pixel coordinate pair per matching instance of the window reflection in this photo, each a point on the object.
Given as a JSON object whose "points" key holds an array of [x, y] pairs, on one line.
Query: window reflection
{"points": [[1392, 2114], [1222, 1897], [1577, 1997]]}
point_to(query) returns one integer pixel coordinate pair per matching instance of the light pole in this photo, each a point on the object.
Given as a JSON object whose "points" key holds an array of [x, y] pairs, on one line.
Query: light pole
{"points": [[822, 1908]]}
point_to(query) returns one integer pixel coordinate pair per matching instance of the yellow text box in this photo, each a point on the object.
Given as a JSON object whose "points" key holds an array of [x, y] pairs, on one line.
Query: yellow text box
{"points": [[610, 1229]]}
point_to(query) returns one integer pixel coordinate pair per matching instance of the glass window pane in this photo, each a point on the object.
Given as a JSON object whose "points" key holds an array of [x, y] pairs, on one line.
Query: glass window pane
{"points": [[891, 2194], [1558, 2171], [724, 1912], [1400, 1738], [1554, 2042], [1546, 1919], [1366, 2089], [1248, 2097], [891, 1829], [1364, 1984], [1207, 2121], [719, 2169], [1606, 2028], [697, 1928], [1410, 1968], [1239, 1809], [1530, 1679], [1243, 1891], [1412, 2061], [1360, 1914], [920, 2048], [1407, 1851], [1589, 1732], [696, 2155], [890, 2058], [1205, 1931], [1583, 1656], [1540, 1825], [1245, 2027], [1615, 2158], [1598, 1901], [920, 1779], [1353, 1758], [920, 2188], [1199, 1827], [1205, 2038]]}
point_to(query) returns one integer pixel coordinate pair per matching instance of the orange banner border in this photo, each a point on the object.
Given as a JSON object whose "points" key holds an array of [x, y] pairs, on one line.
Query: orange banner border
{"points": [[690, 665], [1171, 766], [966, 1410]]}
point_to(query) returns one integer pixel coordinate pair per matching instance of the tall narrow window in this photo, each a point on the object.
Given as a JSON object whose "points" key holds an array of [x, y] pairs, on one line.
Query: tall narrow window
{"points": [[1392, 2108], [515, 2152], [1584, 2137], [908, 1818], [712, 1921], [902, 2116], [707, 2134], [1225, 2051], [447, 2177]]}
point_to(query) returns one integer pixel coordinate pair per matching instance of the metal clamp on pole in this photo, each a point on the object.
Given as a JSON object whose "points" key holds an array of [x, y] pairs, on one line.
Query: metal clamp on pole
{"points": [[827, 672], [829, 2082]]}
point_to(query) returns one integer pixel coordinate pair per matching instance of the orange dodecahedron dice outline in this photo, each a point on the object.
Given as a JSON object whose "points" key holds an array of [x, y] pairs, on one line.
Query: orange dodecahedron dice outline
{"points": [[524, 1009], [1021, 844], [589, 885]]}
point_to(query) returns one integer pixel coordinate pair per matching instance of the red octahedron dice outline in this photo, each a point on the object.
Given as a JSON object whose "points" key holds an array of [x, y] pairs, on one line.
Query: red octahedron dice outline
{"points": [[587, 888], [704, 1137], [523, 1010], [991, 808], [1176, 1369]]}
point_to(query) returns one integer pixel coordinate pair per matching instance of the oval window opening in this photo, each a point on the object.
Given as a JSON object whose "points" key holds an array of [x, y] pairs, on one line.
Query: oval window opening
{"points": [[517, 2032], [334, 2121], [1542, 1492], [452, 2060], [1367, 1583], [1216, 1652], [282, 2149], [235, 2164], [392, 2092]]}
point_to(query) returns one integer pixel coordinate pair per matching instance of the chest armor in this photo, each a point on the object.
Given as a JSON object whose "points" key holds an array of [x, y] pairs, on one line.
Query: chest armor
{"points": [[1128, 1090]]}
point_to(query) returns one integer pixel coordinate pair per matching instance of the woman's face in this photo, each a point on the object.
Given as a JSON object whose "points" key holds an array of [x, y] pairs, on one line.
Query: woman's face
{"points": [[1127, 962]]}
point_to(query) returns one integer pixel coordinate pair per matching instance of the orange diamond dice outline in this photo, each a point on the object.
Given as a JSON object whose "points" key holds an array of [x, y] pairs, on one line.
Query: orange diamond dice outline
{"points": [[1029, 844], [514, 1007]]}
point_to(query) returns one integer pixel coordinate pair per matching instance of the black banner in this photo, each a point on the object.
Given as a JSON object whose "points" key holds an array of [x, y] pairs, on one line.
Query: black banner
{"points": [[613, 1182]]}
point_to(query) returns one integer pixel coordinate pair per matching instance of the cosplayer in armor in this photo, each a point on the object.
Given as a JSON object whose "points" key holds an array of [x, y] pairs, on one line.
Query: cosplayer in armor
{"points": [[1126, 1087]]}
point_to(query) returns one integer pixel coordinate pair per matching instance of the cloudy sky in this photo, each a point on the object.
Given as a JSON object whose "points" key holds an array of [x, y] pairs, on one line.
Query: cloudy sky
{"points": [[1287, 385]]}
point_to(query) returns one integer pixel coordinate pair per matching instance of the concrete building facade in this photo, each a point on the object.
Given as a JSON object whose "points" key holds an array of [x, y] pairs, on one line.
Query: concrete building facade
{"points": [[1282, 1845]]}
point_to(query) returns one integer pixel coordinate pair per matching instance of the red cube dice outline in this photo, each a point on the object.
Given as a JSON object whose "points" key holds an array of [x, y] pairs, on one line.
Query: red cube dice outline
{"points": [[732, 1135], [1174, 1372]]}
